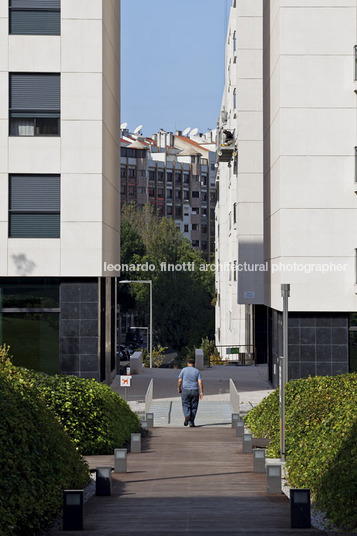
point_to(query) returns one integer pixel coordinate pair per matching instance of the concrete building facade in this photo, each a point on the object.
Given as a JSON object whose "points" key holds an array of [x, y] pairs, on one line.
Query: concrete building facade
{"points": [[176, 175], [295, 126], [59, 183]]}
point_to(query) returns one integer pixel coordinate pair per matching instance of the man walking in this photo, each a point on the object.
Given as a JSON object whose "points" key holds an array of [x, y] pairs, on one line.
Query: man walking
{"points": [[190, 386]]}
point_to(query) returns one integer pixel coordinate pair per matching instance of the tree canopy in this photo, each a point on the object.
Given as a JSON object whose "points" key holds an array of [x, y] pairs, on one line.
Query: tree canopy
{"points": [[183, 288]]}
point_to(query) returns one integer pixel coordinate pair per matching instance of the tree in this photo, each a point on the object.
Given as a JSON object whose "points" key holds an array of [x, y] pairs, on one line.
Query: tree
{"points": [[182, 296]]}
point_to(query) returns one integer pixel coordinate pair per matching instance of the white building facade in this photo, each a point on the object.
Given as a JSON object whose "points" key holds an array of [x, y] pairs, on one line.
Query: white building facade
{"points": [[296, 134], [59, 183]]}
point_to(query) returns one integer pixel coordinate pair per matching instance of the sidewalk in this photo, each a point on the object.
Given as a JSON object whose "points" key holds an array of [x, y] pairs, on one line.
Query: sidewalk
{"points": [[188, 481]]}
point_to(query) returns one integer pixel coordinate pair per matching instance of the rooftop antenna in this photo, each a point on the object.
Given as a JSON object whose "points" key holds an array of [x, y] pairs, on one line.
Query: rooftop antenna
{"points": [[186, 131], [194, 132], [137, 130], [123, 126]]}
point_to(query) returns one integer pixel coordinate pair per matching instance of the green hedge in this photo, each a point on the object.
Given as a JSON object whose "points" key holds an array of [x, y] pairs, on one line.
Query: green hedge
{"points": [[37, 458], [97, 419], [321, 440]]}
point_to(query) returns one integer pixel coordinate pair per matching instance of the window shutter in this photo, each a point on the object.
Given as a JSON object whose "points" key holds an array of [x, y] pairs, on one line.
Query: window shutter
{"points": [[34, 206], [39, 92], [35, 4]]}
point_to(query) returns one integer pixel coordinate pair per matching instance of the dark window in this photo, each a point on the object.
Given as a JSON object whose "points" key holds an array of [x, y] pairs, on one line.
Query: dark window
{"points": [[34, 104], [123, 173], [204, 180], [35, 17], [160, 176], [123, 189], [131, 173], [204, 196], [160, 192], [34, 206], [169, 176], [186, 228], [195, 194], [195, 227], [186, 194], [132, 153], [178, 195], [151, 192], [204, 245], [178, 178], [131, 190], [169, 210], [178, 211], [169, 193], [186, 178], [196, 243], [204, 229], [152, 175]]}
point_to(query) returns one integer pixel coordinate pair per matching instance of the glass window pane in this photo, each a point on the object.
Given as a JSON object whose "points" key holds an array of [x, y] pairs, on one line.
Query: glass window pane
{"points": [[25, 293], [33, 339], [35, 22], [34, 226]]}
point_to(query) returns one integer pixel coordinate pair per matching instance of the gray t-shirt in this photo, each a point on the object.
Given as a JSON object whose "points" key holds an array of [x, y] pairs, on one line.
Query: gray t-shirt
{"points": [[190, 377]]}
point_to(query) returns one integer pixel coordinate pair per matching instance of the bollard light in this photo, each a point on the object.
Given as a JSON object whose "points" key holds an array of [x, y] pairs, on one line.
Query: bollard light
{"points": [[259, 460], [103, 482], [235, 418], [273, 473], [135, 444], [239, 428], [149, 417], [120, 460], [300, 508], [73, 509], [247, 444]]}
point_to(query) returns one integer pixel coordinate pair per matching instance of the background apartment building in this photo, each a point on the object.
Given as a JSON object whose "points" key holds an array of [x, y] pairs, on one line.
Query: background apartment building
{"points": [[59, 183], [290, 99], [176, 174]]}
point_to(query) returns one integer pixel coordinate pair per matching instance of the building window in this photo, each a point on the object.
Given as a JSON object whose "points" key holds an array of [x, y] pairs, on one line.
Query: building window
{"points": [[178, 178], [123, 173], [151, 175], [196, 194], [169, 193], [160, 176], [31, 17], [186, 195], [123, 189], [195, 210], [186, 178], [185, 228], [151, 192], [234, 213], [204, 229], [160, 192], [195, 227], [169, 176], [178, 211], [34, 104], [195, 178], [204, 180], [196, 243], [141, 190], [169, 210], [234, 40], [178, 195], [131, 190], [34, 206], [131, 173], [204, 245], [204, 212], [234, 98], [204, 196]]}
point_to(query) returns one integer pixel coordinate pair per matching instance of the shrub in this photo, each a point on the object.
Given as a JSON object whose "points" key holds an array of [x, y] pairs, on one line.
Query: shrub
{"points": [[321, 440], [38, 460], [96, 418]]}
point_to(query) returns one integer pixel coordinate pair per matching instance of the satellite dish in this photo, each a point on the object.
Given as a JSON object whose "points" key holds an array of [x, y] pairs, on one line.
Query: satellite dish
{"points": [[137, 130], [194, 132], [123, 125], [186, 131]]}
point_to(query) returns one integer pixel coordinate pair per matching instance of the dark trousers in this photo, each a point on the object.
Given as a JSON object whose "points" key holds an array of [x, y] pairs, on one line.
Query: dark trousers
{"points": [[190, 399]]}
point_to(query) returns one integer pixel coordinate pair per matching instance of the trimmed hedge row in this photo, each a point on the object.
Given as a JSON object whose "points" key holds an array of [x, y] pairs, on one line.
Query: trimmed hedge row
{"points": [[97, 419], [321, 440], [38, 460]]}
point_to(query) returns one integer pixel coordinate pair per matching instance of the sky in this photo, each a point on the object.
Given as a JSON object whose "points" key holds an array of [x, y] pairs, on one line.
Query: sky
{"points": [[172, 63]]}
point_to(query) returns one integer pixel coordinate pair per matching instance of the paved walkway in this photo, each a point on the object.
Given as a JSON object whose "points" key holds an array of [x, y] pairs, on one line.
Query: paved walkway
{"points": [[188, 481]]}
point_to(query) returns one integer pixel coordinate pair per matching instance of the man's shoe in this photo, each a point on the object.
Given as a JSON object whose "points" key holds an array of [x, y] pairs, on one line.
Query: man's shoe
{"points": [[192, 425], [185, 422]]}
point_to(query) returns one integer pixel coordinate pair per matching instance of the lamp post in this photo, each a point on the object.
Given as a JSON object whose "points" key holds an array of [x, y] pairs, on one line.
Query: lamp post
{"points": [[149, 282], [283, 372]]}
